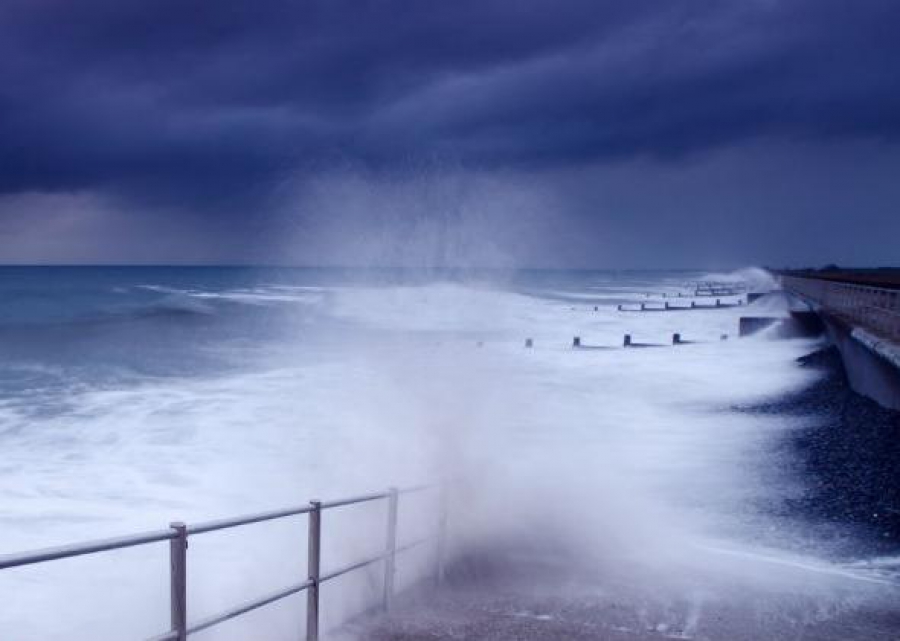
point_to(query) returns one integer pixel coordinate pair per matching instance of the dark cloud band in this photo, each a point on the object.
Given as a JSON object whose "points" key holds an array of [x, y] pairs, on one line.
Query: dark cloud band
{"points": [[209, 102]]}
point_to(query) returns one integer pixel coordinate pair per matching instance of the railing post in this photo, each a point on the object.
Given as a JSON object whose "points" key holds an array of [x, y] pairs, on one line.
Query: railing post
{"points": [[442, 533], [178, 579], [314, 543], [390, 559]]}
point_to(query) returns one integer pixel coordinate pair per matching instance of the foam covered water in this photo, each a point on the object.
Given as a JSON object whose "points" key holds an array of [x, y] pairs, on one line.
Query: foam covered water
{"points": [[132, 398]]}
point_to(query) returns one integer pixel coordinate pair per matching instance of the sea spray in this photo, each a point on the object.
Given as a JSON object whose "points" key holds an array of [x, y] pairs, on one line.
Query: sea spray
{"points": [[328, 384]]}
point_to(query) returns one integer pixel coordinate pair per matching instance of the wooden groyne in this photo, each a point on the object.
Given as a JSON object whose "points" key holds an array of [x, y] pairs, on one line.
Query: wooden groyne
{"points": [[678, 307]]}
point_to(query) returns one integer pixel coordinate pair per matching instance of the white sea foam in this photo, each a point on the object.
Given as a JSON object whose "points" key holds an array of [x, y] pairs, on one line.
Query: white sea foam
{"points": [[635, 452]]}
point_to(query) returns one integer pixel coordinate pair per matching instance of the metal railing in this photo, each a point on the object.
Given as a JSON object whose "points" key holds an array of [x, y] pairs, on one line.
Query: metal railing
{"points": [[178, 533], [874, 308]]}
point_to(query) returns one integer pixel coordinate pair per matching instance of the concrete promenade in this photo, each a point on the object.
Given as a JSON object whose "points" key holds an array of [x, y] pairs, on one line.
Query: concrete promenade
{"points": [[524, 596]]}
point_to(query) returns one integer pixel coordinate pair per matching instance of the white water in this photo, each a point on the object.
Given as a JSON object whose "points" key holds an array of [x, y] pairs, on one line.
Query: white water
{"points": [[634, 453]]}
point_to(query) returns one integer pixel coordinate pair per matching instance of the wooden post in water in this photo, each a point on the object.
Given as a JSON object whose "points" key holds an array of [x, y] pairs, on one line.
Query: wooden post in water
{"points": [[576, 341], [676, 339], [626, 342], [529, 342]]}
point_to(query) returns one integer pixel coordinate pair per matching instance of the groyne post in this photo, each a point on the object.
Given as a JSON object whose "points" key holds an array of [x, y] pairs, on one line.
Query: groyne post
{"points": [[529, 342], [178, 579], [676, 339], [314, 544], [626, 342], [390, 559], [576, 341], [442, 534]]}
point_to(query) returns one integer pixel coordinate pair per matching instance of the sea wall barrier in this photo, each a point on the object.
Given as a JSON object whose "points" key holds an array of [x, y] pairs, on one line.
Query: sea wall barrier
{"points": [[178, 534], [876, 309], [863, 322]]}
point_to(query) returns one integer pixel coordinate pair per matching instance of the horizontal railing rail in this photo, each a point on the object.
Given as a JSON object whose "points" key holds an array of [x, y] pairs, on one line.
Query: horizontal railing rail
{"points": [[249, 606], [80, 549], [874, 308], [178, 533]]}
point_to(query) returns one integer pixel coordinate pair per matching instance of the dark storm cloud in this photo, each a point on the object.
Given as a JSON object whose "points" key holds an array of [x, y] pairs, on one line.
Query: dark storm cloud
{"points": [[213, 102]]}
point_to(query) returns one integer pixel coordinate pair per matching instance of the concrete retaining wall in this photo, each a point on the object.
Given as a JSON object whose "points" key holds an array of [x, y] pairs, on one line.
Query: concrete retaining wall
{"points": [[872, 365]]}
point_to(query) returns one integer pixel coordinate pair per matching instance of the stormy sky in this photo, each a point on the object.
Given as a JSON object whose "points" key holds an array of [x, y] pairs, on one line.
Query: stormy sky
{"points": [[516, 132]]}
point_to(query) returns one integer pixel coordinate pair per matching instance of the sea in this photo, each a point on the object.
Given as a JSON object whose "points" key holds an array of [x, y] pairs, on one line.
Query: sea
{"points": [[133, 397]]}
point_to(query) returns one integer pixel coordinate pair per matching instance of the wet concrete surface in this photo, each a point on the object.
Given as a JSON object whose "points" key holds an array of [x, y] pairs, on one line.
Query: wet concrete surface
{"points": [[848, 458], [535, 599]]}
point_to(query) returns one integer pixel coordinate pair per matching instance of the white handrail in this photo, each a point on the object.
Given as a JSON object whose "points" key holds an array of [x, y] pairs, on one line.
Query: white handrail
{"points": [[178, 533]]}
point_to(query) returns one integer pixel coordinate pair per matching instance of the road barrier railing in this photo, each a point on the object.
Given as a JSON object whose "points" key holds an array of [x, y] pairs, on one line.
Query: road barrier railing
{"points": [[874, 308], [178, 534]]}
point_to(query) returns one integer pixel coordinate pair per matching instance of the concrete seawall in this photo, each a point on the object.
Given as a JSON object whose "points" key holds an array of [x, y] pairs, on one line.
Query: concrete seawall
{"points": [[863, 323], [872, 364]]}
